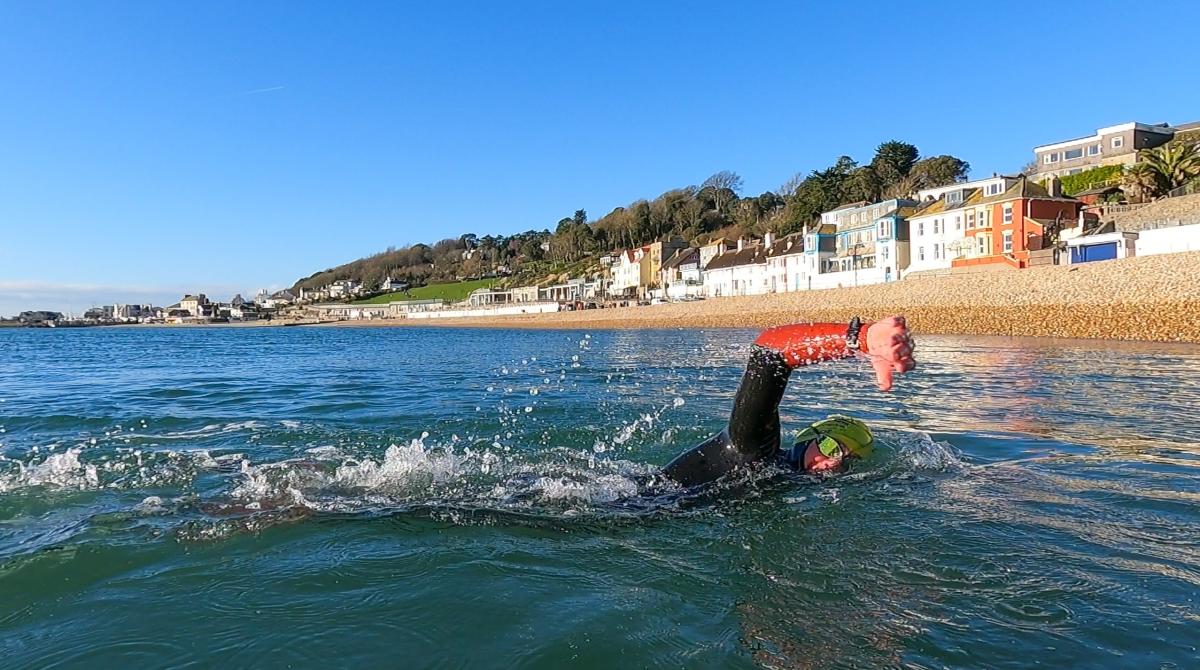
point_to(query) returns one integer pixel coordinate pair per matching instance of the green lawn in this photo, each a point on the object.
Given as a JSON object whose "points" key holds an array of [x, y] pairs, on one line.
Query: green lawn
{"points": [[449, 292]]}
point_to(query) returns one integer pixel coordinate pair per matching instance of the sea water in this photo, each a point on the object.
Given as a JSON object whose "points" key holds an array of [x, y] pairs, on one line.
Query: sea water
{"points": [[408, 497]]}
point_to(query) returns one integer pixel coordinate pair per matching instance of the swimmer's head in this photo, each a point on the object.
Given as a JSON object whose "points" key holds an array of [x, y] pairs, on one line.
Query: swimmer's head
{"points": [[828, 444]]}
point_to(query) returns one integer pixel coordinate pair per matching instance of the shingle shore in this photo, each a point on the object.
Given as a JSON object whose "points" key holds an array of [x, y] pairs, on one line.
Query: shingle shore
{"points": [[1155, 298]]}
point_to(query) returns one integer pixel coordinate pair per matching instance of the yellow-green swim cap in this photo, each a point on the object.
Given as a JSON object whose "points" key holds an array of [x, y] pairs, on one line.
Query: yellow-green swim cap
{"points": [[850, 432]]}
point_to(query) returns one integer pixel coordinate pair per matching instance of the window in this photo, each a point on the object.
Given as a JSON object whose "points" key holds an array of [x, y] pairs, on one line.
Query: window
{"points": [[920, 253], [970, 220], [1118, 142], [936, 251], [1074, 171], [954, 197], [884, 252], [1008, 241], [982, 239], [935, 226], [882, 229], [1072, 154], [1008, 213], [1050, 158], [1094, 150], [921, 228], [958, 222]]}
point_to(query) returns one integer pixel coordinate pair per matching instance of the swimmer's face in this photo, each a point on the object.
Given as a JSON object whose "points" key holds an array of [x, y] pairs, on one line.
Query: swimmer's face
{"points": [[815, 461]]}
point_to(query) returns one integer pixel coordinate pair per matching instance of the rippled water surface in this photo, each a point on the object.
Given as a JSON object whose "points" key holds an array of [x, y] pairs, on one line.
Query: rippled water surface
{"points": [[287, 497]]}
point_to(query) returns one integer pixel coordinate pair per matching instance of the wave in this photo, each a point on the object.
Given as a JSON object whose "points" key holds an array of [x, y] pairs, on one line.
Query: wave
{"points": [[443, 479]]}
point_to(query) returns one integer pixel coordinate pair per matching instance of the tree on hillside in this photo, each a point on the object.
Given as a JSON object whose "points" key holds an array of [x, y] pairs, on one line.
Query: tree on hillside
{"points": [[894, 160], [939, 171], [723, 188]]}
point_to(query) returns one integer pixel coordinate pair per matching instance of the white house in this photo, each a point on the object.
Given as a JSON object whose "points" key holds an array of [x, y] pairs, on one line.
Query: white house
{"points": [[739, 272], [390, 285], [785, 263], [627, 272]]}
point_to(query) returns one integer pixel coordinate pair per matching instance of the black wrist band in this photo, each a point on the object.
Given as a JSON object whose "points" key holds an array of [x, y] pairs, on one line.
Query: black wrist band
{"points": [[856, 325]]}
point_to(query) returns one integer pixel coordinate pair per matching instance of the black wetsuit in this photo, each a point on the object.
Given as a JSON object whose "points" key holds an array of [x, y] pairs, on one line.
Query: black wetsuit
{"points": [[753, 431], [752, 434]]}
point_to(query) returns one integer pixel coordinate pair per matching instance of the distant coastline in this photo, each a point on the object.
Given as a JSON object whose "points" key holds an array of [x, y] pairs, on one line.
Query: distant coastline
{"points": [[1152, 298]]}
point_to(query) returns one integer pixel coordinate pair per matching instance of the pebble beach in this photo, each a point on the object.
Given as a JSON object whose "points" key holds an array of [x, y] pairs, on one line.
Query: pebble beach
{"points": [[1153, 298]]}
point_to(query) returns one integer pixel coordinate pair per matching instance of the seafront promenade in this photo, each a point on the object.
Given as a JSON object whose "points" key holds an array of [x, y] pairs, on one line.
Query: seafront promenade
{"points": [[1153, 298]]}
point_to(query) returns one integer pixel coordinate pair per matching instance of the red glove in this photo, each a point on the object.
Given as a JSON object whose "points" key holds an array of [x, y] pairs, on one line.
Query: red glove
{"points": [[887, 342]]}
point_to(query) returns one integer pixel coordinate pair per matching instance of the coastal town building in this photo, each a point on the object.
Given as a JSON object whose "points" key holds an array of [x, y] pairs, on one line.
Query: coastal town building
{"points": [[715, 248], [1006, 228], [785, 263], [482, 297], [820, 243], [1102, 247], [525, 294], [627, 273], [1113, 145], [390, 285], [194, 305], [871, 244], [742, 271], [944, 224], [570, 291], [681, 276]]}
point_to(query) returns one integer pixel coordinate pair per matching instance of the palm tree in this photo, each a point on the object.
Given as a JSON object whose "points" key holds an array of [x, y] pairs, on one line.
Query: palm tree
{"points": [[1141, 182], [1175, 164]]}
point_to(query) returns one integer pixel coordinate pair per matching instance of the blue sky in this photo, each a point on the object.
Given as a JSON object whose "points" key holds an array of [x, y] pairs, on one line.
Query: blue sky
{"points": [[153, 148]]}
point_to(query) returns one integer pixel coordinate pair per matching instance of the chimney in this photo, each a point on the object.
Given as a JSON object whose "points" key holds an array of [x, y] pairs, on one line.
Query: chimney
{"points": [[768, 238], [1054, 186], [741, 243]]}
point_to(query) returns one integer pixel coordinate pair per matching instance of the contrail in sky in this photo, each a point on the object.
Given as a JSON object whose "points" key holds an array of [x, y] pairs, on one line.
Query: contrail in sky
{"points": [[262, 90]]}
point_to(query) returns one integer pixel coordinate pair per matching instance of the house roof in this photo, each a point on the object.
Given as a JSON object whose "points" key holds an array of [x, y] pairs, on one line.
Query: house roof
{"points": [[786, 245], [1024, 188], [682, 256], [1098, 191], [940, 205], [751, 255], [850, 205]]}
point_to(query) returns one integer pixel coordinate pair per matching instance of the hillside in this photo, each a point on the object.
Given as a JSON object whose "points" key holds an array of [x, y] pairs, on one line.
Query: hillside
{"points": [[696, 214]]}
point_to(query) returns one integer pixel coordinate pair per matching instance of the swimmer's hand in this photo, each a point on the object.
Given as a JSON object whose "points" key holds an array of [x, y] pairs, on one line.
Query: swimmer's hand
{"points": [[890, 347]]}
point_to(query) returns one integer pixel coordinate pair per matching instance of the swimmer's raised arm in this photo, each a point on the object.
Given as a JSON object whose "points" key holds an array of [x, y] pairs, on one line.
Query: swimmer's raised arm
{"points": [[753, 432]]}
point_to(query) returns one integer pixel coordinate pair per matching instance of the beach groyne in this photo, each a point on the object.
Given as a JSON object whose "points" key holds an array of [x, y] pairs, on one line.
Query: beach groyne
{"points": [[1152, 298]]}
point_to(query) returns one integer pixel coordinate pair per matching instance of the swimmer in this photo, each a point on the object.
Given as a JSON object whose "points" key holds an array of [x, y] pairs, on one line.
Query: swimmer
{"points": [[753, 435]]}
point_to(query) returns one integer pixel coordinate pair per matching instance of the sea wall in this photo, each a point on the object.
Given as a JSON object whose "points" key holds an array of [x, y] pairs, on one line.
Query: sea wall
{"points": [[487, 312]]}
